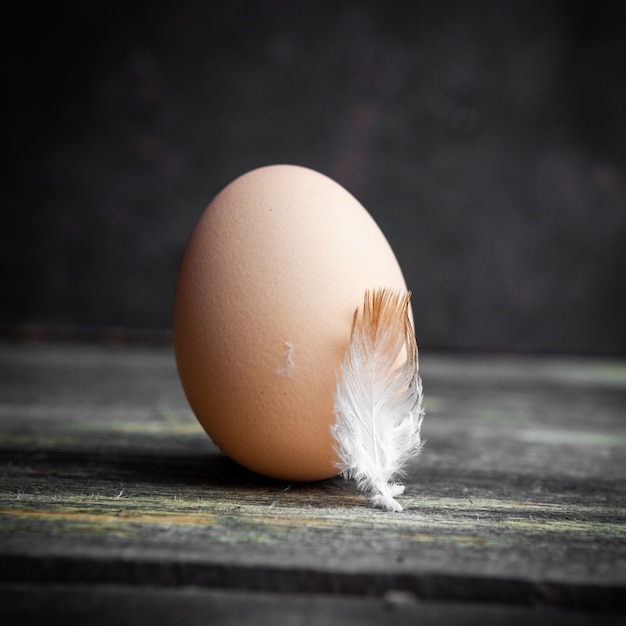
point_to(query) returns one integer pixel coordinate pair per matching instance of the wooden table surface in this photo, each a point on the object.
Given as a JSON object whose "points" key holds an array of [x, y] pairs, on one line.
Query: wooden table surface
{"points": [[115, 506]]}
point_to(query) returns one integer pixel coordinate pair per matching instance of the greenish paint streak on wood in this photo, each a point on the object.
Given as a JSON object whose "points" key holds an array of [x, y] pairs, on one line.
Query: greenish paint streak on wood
{"points": [[573, 438], [612, 374], [165, 428], [339, 507], [452, 515], [291, 522]]}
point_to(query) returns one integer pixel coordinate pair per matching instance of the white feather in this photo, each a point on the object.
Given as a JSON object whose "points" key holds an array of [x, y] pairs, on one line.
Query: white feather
{"points": [[378, 403]]}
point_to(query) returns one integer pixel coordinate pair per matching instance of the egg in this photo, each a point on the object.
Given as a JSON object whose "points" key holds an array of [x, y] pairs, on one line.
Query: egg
{"points": [[268, 286]]}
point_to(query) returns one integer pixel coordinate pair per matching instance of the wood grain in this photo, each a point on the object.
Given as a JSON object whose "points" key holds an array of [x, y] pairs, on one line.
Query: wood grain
{"points": [[518, 498]]}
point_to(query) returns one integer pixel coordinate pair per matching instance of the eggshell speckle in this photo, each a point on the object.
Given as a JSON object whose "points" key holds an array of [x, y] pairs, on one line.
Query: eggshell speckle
{"points": [[268, 286]]}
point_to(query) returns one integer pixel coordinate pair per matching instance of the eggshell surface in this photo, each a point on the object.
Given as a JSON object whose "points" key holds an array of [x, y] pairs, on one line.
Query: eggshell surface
{"points": [[268, 285]]}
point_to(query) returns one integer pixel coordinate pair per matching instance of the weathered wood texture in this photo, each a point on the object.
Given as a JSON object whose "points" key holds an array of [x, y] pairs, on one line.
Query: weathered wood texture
{"points": [[518, 498]]}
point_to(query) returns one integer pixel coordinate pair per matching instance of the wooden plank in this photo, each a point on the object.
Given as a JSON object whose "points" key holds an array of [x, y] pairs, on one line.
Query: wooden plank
{"points": [[518, 497], [114, 604]]}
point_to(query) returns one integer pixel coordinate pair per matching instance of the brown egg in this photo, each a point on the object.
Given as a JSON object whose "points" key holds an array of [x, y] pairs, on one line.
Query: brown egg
{"points": [[269, 282]]}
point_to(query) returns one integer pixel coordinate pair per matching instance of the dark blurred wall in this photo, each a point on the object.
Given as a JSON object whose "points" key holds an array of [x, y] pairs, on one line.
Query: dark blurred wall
{"points": [[488, 139]]}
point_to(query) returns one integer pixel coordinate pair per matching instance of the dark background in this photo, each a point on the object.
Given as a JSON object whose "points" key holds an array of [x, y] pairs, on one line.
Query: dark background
{"points": [[488, 140]]}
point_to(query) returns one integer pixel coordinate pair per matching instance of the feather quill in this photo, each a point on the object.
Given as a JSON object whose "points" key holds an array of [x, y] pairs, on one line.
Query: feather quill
{"points": [[378, 403]]}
